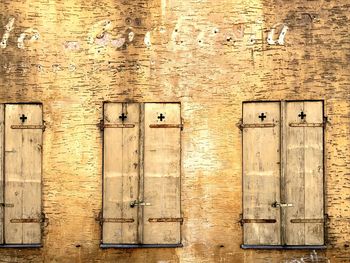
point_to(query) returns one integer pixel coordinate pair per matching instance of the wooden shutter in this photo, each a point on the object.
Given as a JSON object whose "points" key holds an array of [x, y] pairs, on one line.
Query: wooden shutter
{"points": [[23, 160], [2, 135], [121, 172], [261, 173], [162, 218], [304, 173]]}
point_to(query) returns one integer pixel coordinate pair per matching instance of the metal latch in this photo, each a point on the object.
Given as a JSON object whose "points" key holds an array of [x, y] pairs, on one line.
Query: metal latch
{"points": [[277, 204], [7, 205], [138, 203]]}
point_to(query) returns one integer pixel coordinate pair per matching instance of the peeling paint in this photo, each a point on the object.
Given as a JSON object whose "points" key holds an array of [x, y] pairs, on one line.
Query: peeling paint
{"points": [[238, 30], [71, 45], [99, 30], [119, 42], [282, 34], [33, 35], [131, 36], [147, 39], [8, 29]]}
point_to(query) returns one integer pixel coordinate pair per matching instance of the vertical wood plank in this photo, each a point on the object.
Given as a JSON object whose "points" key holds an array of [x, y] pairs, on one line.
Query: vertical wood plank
{"points": [[294, 187], [162, 174], [314, 203], [141, 172], [261, 173], [121, 170], [23, 162], [304, 177], [2, 134], [283, 170]]}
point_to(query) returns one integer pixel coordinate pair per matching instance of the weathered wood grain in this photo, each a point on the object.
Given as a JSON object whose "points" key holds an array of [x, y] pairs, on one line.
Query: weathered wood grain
{"points": [[261, 174], [23, 164], [121, 176], [162, 172], [2, 136], [304, 174]]}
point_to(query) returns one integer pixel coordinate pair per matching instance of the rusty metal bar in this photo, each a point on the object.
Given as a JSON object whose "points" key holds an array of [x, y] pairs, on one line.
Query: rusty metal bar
{"points": [[118, 220], [26, 220], [295, 124], [166, 126], [27, 127], [126, 125], [165, 220], [267, 221], [307, 220], [256, 125]]}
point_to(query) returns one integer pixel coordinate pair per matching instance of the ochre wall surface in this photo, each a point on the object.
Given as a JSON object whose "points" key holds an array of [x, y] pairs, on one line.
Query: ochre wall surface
{"points": [[210, 56]]}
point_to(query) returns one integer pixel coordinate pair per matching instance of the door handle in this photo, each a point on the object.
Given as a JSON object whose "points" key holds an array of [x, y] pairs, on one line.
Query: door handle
{"points": [[138, 203], [277, 204]]}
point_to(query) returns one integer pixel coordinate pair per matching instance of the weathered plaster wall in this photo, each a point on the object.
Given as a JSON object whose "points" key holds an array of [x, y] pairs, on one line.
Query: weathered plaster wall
{"points": [[209, 55]]}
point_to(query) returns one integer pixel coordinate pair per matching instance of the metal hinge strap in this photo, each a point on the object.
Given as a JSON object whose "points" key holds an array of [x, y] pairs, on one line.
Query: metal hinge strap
{"points": [[166, 126], [166, 220], [310, 125], [29, 127], [309, 220], [118, 220], [256, 125], [102, 125], [265, 221]]}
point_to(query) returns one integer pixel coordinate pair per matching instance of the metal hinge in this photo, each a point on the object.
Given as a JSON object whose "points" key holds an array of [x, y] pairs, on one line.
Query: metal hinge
{"points": [[240, 221], [240, 126], [101, 125], [325, 120], [99, 218]]}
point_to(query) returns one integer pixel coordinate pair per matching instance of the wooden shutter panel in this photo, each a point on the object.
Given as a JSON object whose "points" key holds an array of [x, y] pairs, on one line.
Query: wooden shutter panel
{"points": [[261, 173], [162, 173], [304, 173], [2, 134], [23, 161], [121, 172]]}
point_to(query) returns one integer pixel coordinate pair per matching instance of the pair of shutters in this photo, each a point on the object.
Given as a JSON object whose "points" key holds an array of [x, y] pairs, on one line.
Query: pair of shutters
{"points": [[283, 201], [141, 185], [21, 128]]}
